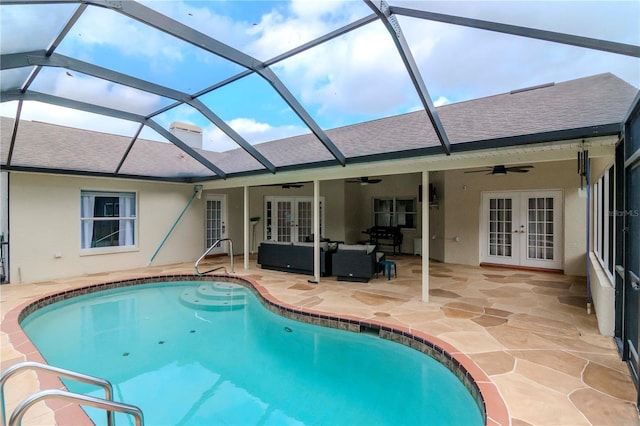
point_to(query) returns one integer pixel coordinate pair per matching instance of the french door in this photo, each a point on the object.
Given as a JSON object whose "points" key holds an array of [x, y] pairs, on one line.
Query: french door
{"points": [[290, 219], [522, 228], [216, 222]]}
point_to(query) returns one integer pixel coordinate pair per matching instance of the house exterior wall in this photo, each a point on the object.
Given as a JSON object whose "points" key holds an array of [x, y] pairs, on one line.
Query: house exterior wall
{"points": [[45, 220], [39, 231], [462, 204]]}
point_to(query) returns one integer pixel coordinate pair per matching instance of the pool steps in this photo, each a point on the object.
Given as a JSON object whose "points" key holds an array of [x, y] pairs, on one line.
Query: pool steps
{"points": [[215, 297]]}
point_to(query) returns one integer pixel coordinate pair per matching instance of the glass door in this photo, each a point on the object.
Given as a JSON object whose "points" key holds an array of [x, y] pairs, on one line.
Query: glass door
{"points": [[499, 228], [290, 219], [541, 235], [522, 228], [285, 221], [215, 222]]}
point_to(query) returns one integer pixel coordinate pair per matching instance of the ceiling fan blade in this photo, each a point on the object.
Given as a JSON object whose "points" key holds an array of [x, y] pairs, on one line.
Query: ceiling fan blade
{"points": [[287, 185], [514, 170], [365, 180], [519, 167], [478, 171]]}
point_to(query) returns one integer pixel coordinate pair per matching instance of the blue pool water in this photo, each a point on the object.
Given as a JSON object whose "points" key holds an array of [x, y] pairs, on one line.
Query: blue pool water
{"points": [[187, 355]]}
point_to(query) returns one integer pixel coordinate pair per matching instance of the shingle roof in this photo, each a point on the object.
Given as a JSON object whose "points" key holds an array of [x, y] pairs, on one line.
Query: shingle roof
{"points": [[598, 100], [592, 101]]}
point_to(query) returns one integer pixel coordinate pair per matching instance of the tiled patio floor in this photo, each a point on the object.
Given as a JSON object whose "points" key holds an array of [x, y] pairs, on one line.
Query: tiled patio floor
{"points": [[528, 331]]}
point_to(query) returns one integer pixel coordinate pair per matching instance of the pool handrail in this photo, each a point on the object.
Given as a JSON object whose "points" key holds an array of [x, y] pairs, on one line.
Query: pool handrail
{"points": [[217, 243], [60, 372], [109, 405]]}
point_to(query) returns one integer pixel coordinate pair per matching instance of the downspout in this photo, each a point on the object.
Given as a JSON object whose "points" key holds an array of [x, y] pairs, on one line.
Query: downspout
{"points": [[589, 296], [197, 192]]}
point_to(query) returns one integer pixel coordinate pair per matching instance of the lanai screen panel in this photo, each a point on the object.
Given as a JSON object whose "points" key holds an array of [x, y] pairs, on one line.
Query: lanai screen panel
{"points": [[84, 88], [24, 27], [206, 54], [114, 41]]}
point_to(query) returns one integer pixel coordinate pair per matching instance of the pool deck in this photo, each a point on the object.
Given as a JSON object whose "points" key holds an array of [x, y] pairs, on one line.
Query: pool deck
{"points": [[527, 331]]}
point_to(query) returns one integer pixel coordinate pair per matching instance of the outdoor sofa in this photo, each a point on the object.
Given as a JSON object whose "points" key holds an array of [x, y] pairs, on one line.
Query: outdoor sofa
{"points": [[293, 257], [358, 262]]}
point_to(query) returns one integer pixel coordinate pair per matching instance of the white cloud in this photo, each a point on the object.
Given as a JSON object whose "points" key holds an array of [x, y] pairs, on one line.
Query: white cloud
{"points": [[38, 111], [441, 101], [201, 16], [105, 28], [251, 130], [361, 74], [76, 86], [41, 23], [314, 9], [358, 74], [468, 63]]}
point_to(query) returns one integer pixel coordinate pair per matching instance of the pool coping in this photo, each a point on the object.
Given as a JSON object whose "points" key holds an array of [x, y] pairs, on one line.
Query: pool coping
{"points": [[482, 389]]}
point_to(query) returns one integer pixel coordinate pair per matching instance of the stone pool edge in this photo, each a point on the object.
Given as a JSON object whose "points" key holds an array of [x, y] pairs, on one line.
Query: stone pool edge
{"points": [[482, 389]]}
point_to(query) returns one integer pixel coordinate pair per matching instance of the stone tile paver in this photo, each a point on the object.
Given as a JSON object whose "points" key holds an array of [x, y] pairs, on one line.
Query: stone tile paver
{"points": [[526, 330]]}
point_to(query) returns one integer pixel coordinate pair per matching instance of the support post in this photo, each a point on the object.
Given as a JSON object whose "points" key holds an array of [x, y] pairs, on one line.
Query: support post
{"points": [[246, 227], [425, 236], [316, 231]]}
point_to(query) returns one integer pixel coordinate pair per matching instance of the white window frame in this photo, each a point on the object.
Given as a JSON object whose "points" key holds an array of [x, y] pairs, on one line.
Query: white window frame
{"points": [[394, 212], [87, 220]]}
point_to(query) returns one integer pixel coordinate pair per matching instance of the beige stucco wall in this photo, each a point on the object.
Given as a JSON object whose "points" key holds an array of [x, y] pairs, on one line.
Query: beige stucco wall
{"points": [[462, 197], [45, 219]]}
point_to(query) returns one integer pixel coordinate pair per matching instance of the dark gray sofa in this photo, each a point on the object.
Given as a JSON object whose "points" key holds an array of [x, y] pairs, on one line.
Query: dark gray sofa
{"points": [[293, 257], [357, 263]]}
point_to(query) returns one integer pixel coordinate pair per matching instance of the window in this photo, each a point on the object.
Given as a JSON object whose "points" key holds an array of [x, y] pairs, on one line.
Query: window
{"points": [[604, 219], [108, 219], [392, 211]]}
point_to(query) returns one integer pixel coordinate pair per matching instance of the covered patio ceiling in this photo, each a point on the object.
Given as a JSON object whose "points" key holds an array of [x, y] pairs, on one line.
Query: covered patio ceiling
{"points": [[64, 54]]}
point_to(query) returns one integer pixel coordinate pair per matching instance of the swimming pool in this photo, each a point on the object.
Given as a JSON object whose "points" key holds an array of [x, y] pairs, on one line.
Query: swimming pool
{"points": [[244, 364]]}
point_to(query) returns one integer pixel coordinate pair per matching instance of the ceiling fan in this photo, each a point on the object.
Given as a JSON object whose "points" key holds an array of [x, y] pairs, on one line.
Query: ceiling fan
{"points": [[364, 180], [288, 185], [502, 170]]}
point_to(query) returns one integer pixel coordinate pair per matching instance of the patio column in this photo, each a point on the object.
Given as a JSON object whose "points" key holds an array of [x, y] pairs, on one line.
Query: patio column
{"points": [[316, 231], [425, 236], [246, 227]]}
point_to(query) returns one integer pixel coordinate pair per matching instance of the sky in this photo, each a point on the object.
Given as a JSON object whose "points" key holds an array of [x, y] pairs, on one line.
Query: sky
{"points": [[356, 77]]}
